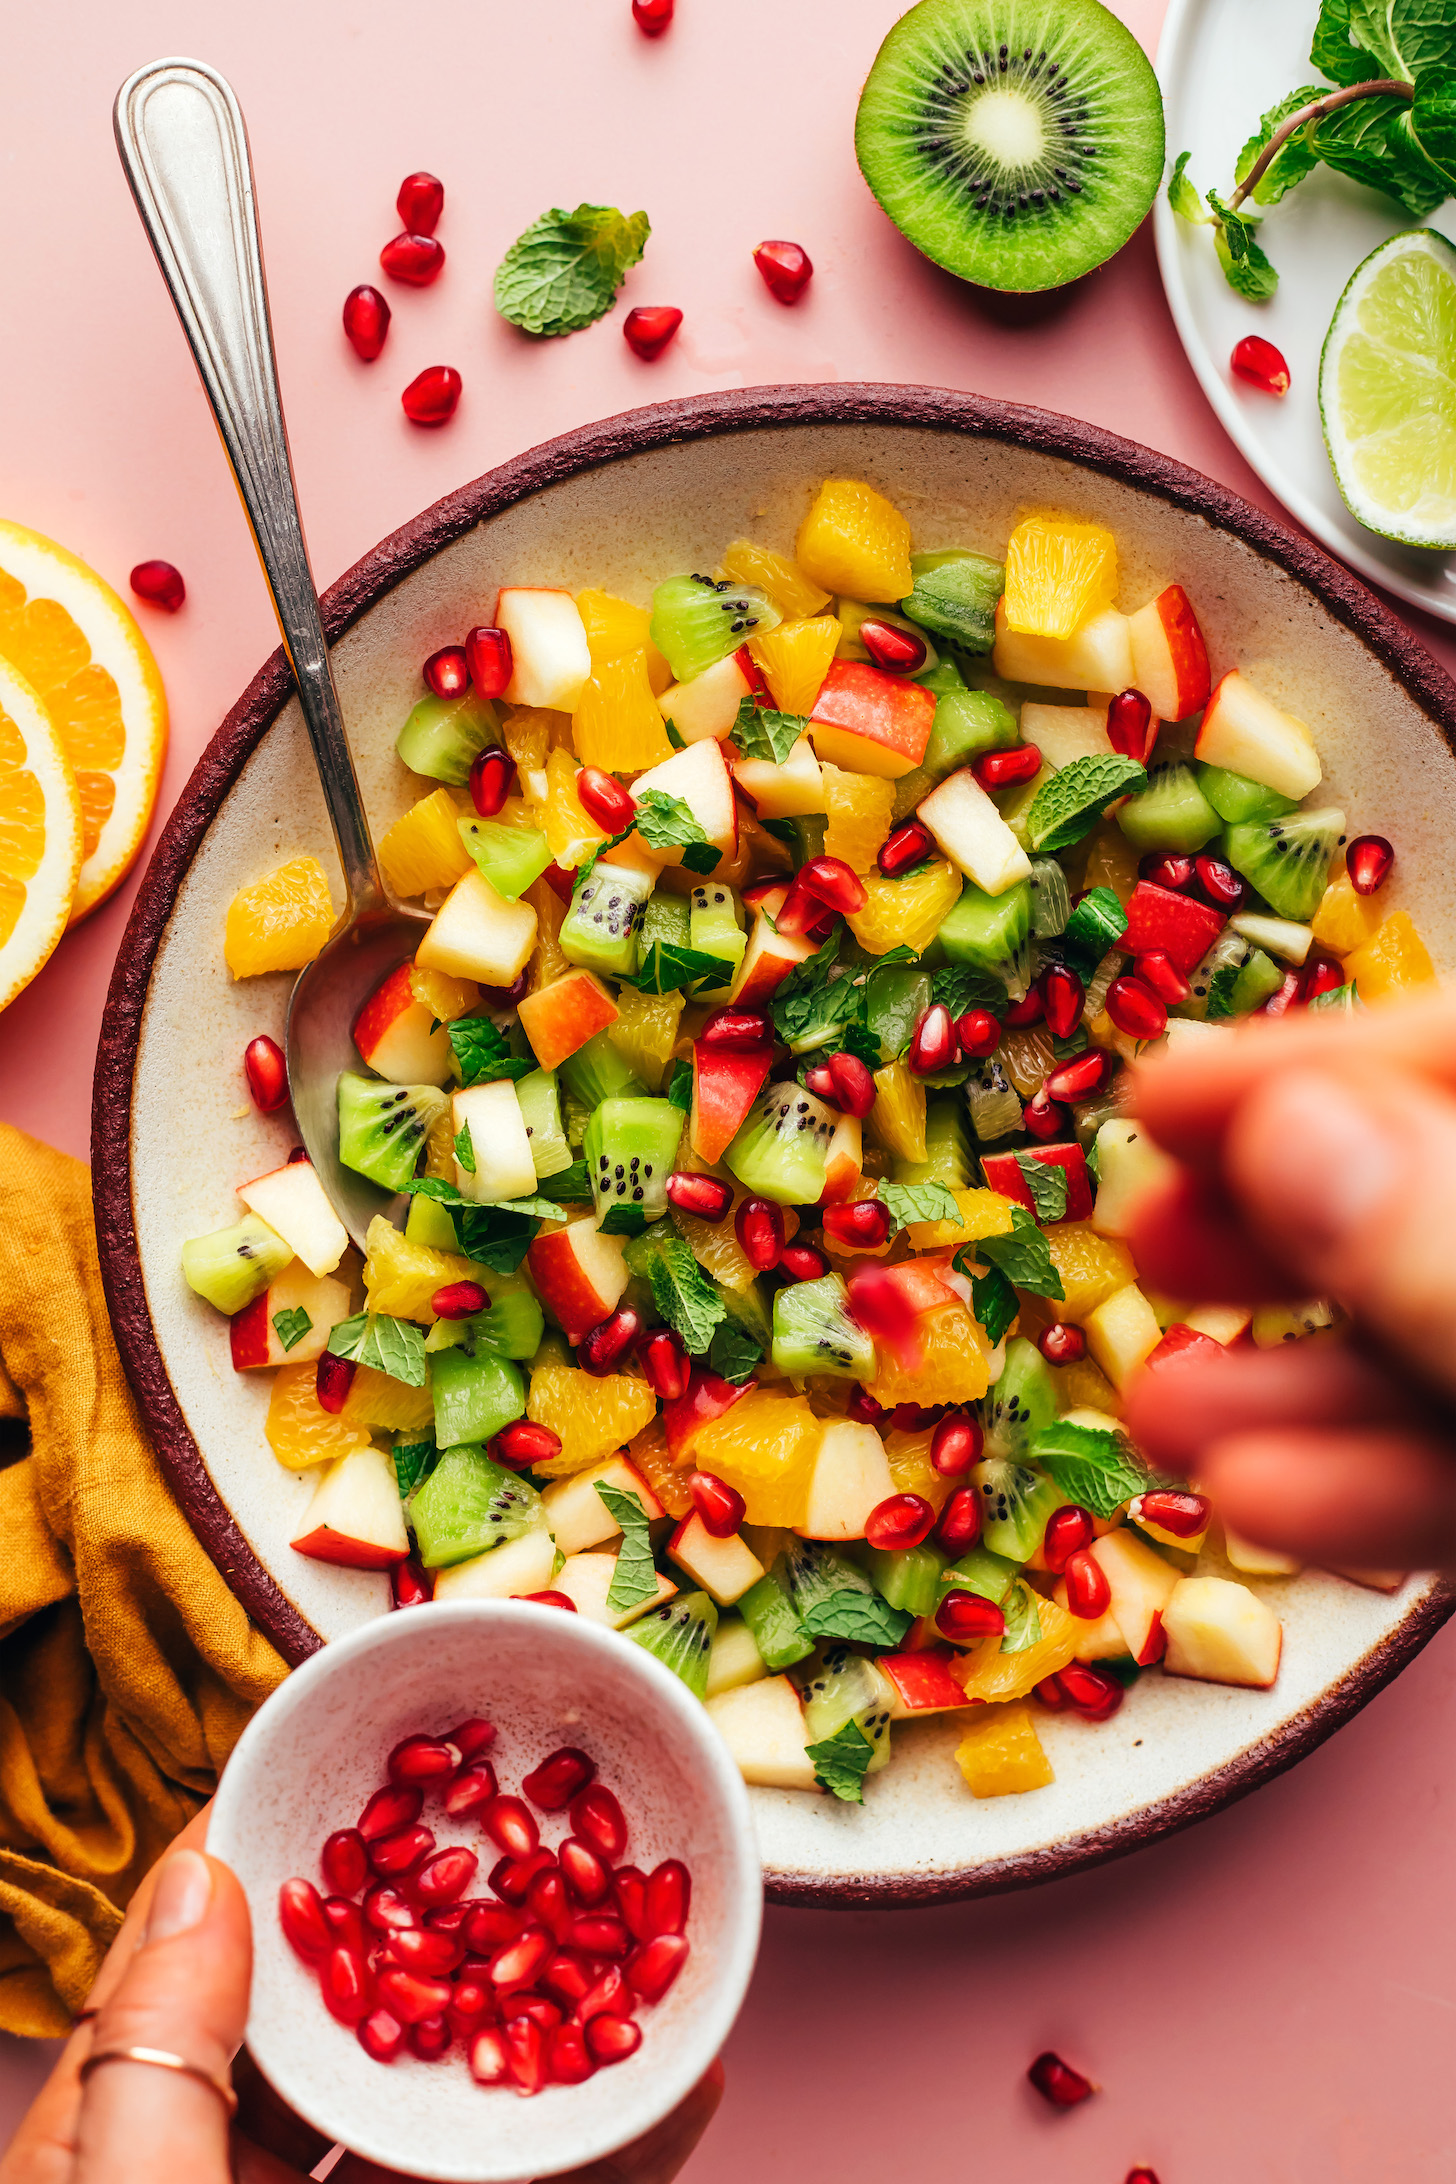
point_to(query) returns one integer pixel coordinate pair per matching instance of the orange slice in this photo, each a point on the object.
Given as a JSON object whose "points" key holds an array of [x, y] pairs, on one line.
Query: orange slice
{"points": [[79, 646], [40, 834]]}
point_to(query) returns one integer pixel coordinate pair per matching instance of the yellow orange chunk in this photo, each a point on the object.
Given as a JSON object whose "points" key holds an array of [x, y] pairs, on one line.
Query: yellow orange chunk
{"points": [[795, 659], [570, 834], [281, 922], [953, 1369], [982, 1213], [765, 1447], [376, 1400], [858, 808], [1393, 961], [1091, 1267], [1059, 573], [400, 1278], [423, 849], [645, 1032], [616, 724], [532, 732], [897, 1119], [780, 579], [300, 1431], [614, 627], [906, 912], [445, 997], [1001, 1754], [985, 1672], [855, 541], [593, 1415]]}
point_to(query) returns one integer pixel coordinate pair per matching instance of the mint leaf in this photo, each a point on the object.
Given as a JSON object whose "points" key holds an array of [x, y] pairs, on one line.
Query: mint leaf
{"points": [[760, 732], [1334, 50], [565, 270], [1070, 804], [1024, 1257], [1221, 991], [635, 1577], [666, 822], [1245, 267], [445, 1194], [862, 1617], [1294, 159], [483, 1052], [1091, 1465], [812, 998], [465, 1149], [960, 988], [1403, 36], [683, 1294], [413, 1462], [665, 967], [907, 1202], [993, 1302], [568, 1185], [680, 1087], [1023, 1622], [1375, 141], [392, 1346], [733, 1354], [1433, 120], [841, 1761], [861, 1042], [1048, 1186], [291, 1326], [1182, 195]]}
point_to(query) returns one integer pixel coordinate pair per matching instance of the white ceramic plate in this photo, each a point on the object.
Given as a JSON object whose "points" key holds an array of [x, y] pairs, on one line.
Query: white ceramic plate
{"points": [[619, 504], [1223, 63]]}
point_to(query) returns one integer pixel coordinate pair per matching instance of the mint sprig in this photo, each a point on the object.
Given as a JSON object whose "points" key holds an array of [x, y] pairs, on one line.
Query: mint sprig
{"points": [[907, 1202], [1070, 804], [483, 1052], [565, 270], [1024, 1257]]}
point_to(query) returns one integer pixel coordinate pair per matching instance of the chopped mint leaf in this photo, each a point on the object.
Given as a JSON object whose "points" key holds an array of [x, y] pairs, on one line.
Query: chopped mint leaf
{"points": [[1024, 1257], [733, 1354], [673, 737], [1182, 195], [291, 1326], [413, 1462], [568, 1185], [1245, 266], [1064, 1049], [1221, 991], [665, 967], [622, 1220], [1023, 1622], [634, 1578], [702, 858], [683, 1294], [482, 1050], [760, 732], [1047, 1183], [666, 822], [1070, 804], [1293, 161], [465, 1149], [680, 1086], [861, 1042], [565, 270], [445, 1194], [860, 1617], [812, 997], [993, 1302], [960, 988], [392, 1346], [840, 1763], [1091, 1465], [907, 1202]]}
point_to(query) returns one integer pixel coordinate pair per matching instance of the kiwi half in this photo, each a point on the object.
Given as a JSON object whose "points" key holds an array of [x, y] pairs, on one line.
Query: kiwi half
{"points": [[1018, 143]]}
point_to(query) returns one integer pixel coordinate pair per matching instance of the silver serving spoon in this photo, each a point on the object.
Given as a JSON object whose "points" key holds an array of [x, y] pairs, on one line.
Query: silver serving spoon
{"points": [[184, 146]]}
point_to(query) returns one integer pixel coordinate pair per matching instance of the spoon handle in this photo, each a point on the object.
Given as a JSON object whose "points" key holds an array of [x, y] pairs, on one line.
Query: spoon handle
{"points": [[184, 145]]}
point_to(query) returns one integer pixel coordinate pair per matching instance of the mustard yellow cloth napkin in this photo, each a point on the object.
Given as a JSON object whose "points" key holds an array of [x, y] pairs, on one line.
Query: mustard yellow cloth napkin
{"points": [[127, 1668]]}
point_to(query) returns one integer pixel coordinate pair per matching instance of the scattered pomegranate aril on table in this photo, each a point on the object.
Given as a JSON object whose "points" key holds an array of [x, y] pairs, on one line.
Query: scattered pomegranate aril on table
{"points": [[366, 322], [1062, 996], [720, 1506], [431, 398], [759, 1227], [420, 202], [1260, 364], [649, 328], [490, 659], [787, 270], [1131, 728], [1058, 2083], [492, 777], [267, 1074], [897, 651], [446, 673], [933, 1047], [1141, 2176], [415, 259], [708, 1197], [1062, 1344], [1068, 1531], [652, 16], [1008, 769], [1368, 861], [160, 584], [1088, 1592], [1136, 1011]]}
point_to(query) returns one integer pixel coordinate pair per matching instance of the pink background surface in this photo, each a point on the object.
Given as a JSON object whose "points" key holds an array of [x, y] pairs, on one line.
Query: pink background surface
{"points": [[1270, 1996]]}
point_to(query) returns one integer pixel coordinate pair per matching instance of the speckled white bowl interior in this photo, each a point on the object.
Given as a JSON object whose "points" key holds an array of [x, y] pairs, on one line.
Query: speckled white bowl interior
{"points": [[622, 525], [313, 1755]]}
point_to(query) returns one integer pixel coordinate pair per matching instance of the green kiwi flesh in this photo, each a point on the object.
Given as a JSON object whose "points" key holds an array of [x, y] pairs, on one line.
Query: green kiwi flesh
{"points": [[1018, 143]]}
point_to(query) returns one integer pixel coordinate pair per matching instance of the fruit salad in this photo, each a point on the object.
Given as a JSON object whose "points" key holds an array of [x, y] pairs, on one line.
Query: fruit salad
{"points": [[750, 1271]]}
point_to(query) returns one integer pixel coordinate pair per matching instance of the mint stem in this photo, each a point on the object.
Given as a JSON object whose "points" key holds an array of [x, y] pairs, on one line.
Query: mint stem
{"points": [[1382, 87]]}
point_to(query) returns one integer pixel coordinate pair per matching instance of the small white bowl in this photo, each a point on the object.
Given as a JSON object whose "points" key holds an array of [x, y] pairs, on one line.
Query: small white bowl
{"points": [[313, 1754]]}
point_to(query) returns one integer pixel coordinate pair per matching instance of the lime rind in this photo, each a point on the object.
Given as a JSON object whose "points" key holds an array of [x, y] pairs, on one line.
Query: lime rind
{"points": [[1387, 391]]}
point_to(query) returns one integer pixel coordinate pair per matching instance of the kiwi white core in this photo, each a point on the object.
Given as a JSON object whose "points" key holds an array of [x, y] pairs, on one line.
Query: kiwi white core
{"points": [[1008, 127]]}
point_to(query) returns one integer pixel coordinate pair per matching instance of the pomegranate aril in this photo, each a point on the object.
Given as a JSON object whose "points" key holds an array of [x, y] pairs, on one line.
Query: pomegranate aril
{"points": [[525, 2045], [599, 1350], [393, 1855], [1320, 976], [1043, 1118], [1068, 1531], [1088, 1592], [612, 2039], [669, 1896], [720, 1506], [422, 1949], [819, 1080], [567, 1977], [1057, 2082], [611, 1994], [1028, 1010], [586, 1874], [598, 1934], [1258, 361], [511, 1826], [1008, 769], [381, 2035], [896, 651], [736, 1031], [559, 1777], [267, 1074], [348, 1989], [387, 1910], [1141, 2176], [1094, 1692], [1166, 868], [489, 1926], [541, 2010], [900, 1521], [964, 1616], [1186, 1516], [492, 664], [863, 1408], [301, 1915], [431, 2038], [344, 1862], [786, 268], [420, 202], [1079, 1078], [705, 1196], [391, 1809], [332, 1380], [472, 1788], [1156, 970], [656, 1965], [160, 584], [1280, 1003], [412, 1585], [1129, 718], [472, 2007], [1062, 1344], [347, 1925], [1368, 861], [959, 1526], [517, 1963], [1135, 1009], [459, 1300], [652, 16], [649, 328], [488, 2064], [861, 1226], [432, 397], [977, 1034], [955, 1445], [629, 1886], [664, 1360], [802, 1263], [1220, 883], [908, 846], [446, 673], [854, 1086], [605, 800], [1062, 996], [422, 1760], [567, 2060], [1049, 1691], [492, 777], [759, 1227], [524, 1442], [446, 1876], [366, 322], [834, 883], [933, 1046], [414, 259]]}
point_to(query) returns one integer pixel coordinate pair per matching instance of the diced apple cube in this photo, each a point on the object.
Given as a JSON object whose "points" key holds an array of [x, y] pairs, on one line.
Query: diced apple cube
{"points": [[587, 1579], [564, 1015], [783, 792], [851, 1476], [1220, 1322], [767, 962], [1221, 1632], [398, 1037], [1122, 1333], [725, 1568], [1247, 733], [922, 1684], [550, 656], [1098, 656], [1252, 1560], [1063, 733], [699, 778], [1169, 657], [970, 831], [578, 1273], [355, 1517], [576, 1513], [267, 1331], [762, 1725], [500, 1144], [508, 1572], [292, 1200], [1141, 1583], [477, 934], [708, 705]]}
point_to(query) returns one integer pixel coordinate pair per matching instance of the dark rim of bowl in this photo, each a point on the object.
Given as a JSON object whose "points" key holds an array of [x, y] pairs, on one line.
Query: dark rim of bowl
{"points": [[635, 432]]}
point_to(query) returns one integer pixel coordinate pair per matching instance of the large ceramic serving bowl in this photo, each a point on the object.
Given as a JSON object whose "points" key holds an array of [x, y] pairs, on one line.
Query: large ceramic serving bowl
{"points": [[620, 504]]}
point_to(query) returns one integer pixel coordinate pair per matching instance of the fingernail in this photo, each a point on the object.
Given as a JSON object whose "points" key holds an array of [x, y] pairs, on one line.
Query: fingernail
{"points": [[1334, 1164], [183, 1893]]}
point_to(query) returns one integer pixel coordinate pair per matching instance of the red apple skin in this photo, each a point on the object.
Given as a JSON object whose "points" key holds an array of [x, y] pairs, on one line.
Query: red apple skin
{"points": [[563, 1284], [1187, 654], [767, 962], [385, 1005], [326, 1545], [248, 1334], [707, 1398], [564, 1015], [923, 1681], [883, 711], [725, 1087]]}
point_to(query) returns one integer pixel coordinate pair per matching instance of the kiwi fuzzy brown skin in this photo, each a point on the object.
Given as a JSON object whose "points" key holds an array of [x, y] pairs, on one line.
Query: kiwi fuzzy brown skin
{"points": [[1018, 143]]}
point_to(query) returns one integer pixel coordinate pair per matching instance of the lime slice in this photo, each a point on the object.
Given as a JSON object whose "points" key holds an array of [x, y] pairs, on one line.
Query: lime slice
{"points": [[1388, 390]]}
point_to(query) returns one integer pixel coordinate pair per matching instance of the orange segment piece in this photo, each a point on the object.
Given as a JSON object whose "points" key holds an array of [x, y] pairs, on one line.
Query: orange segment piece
{"points": [[908, 911], [858, 807], [281, 922], [40, 834], [985, 1672], [780, 579], [855, 541], [765, 1447], [616, 723], [594, 1416], [795, 659], [423, 849], [1059, 573], [300, 1431], [1393, 961], [954, 1368]]}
